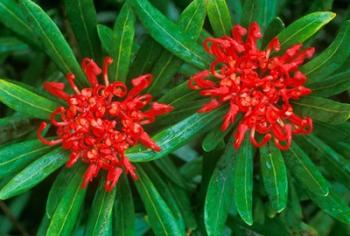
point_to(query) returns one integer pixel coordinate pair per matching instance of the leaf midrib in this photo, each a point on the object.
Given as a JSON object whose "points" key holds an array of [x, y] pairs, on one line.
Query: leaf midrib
{"points": [[171, 36]]}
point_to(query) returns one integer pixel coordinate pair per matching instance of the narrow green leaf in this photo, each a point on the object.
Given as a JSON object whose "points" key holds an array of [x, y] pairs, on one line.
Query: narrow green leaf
{"points": [[219, 17], [34, 173], [332, 85], [25, 101], [52, 39], [11, 44], [163, 187], [162, 220], [183, 200], [58, 189], [333, 205], [15, 126], [304, 28], [44, 224], [168, 168], [213, 138], [82, 17], [124, 210], [66, 215], [124, 30], [243, 181], [261, 11], [13, 17], [16, 156], [174, 137], [101, 211], [274, 28], [305, 171], [274, 176], [16, 207], [106, 36], [219, 198], [235, 9], [146, 57], [182, 110], [191, 21], [178, 94], [331, 159], [330, 59], [169, 35], [323, 109]]}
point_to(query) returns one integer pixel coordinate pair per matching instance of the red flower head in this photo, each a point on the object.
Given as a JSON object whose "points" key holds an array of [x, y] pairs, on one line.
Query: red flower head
{"points": [[257, 84], [100, 122]]}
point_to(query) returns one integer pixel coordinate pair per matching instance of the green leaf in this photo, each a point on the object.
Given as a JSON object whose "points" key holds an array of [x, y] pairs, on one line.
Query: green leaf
{"points": [[174, 137], [331, 159], [330, 59], [106, 36], [58, 189], [34, 173], [163, 186], [243, 181], [10, 44], [178, 94], [333, 205], [44, 224], [25, 101], [305, 171], [219, 17], [191, 21], [275, 26], [12, 16], [124, 211], [183, 200], [304, 28], [101, 211], [261, 11], [169, 35], [52, 39], [213, 138], [124, 30], [332, 85], [274, 176], [69, 207], [15, 126], [167, 167], [182, 110], [16, 207], [219, 198], [82, 17], [16, 156], [323, 109], [146, 56], [236, 9], [161, 218]]}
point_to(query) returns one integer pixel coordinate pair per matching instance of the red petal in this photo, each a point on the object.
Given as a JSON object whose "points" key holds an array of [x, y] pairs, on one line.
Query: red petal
{"points": [[91, 70], [112, 178], [140, 83], [56, 89], [213, 104]]}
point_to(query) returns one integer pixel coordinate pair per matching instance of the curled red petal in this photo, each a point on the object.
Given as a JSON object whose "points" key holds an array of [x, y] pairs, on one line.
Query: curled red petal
{"points": [[140, 83], [91, 70], [56, 89]]}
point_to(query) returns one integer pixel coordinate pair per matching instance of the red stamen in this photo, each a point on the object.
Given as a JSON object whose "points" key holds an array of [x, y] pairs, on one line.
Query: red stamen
{"points": [[100, 123], [42, 126], [257, 84]]}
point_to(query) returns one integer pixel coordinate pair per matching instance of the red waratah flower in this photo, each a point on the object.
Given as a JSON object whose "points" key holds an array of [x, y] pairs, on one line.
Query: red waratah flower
{"points": [[100, 122], [256, 83]]}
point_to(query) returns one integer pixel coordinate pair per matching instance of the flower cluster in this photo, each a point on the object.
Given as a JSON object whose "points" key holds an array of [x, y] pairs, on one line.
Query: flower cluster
{"points": [[100, 122], [259, 84]]}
